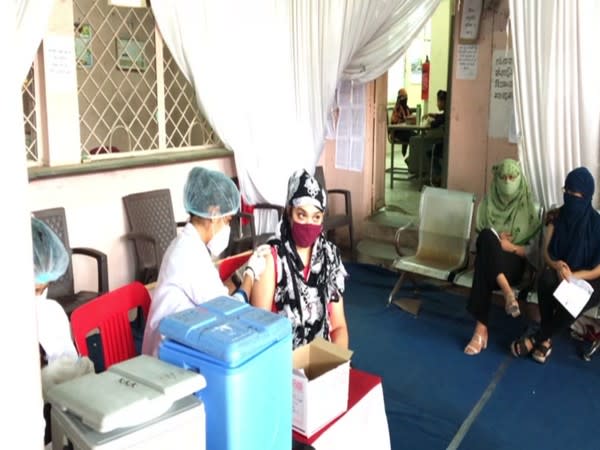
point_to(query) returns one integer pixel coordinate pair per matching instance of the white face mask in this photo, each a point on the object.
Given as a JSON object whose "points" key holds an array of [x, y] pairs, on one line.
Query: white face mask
{"points": [[219, 241]]}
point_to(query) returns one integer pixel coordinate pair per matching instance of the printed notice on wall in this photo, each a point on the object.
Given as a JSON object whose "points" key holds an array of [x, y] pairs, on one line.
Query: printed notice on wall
{"points": [[501, 92], [350, 132], [59, 61], [466, 68], [469, 23]]}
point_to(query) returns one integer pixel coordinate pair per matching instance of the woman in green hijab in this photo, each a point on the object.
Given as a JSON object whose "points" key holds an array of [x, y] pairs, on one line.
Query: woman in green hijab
{"points": [[507, 220]]}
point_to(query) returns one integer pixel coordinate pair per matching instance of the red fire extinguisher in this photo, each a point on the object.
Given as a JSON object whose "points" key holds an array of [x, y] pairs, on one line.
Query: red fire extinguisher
{"points": [[425, 79]]}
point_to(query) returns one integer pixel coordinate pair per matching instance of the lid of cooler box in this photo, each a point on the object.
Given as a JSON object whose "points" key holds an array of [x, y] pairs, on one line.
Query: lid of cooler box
{"points": [[127, 394], [227, 330]]}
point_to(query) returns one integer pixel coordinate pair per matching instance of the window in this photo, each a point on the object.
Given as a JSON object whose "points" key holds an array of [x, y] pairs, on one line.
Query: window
{"points": [[31, 118], [132, 97]]}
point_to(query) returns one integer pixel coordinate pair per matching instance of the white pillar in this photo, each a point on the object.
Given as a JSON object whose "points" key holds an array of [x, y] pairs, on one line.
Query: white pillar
{"points": [[20, 387]]}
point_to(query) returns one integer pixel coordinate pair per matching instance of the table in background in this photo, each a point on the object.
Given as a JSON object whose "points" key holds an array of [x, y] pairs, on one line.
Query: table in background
{"points": [[419, 129], [363, 426]]}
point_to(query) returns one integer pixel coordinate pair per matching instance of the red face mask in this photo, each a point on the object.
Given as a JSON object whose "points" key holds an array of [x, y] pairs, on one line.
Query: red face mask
{"points": [[305, 234]]}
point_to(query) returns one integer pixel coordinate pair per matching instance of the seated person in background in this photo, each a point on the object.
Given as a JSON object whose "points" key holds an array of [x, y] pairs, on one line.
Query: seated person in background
{"points": [[402, 114], [304, 275], [507, 221], [188, 276], [572, 250], [439, 119], [58, 357], [401, 111], [431, 141]]}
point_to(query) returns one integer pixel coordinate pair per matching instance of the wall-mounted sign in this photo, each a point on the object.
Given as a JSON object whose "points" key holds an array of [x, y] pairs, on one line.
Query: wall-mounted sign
{"points": [[469, 21], [501, 94], [468, 59]]}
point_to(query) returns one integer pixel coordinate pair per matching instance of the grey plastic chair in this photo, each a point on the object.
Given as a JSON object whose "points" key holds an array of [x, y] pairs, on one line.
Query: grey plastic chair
{"points": [[334, 221], [63, 289], [244, 234], [444, 228], [152, 227]]}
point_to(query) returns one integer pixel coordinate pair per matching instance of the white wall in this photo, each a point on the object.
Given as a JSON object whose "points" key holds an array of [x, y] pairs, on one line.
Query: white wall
{"points": [[95, 213]]}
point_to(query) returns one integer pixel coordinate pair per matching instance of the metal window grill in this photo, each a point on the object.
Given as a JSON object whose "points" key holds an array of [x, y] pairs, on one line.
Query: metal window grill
{"points": [[132, 96], [30, 117]]}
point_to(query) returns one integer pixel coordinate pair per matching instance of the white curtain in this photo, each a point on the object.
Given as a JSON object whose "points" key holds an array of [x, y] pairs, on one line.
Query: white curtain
{"points": [[265, 72], [556, 90], [32, 22]]}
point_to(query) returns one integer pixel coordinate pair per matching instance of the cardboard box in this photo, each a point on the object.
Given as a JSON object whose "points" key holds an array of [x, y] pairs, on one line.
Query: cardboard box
{"points": [[320, 385]]}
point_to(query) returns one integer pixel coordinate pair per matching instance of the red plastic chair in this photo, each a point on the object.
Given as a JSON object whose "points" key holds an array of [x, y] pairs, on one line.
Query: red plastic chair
{"points": [[227, 266], [109, 314]]}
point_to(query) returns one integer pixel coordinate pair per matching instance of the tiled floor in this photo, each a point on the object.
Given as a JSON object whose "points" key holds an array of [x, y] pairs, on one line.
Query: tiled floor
{"points": [[404, 196]]}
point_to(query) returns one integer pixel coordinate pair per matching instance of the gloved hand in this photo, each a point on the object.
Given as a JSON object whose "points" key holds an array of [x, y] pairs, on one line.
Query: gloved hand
{"points": [[256, 263], [64, 369]]}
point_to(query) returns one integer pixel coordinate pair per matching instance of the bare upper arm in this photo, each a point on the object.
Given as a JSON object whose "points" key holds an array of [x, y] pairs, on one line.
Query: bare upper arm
{"points": [[337, 317], [263, 290]]}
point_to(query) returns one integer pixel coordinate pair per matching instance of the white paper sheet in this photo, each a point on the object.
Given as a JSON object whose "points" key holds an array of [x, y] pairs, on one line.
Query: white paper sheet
{"points": [[350, 132], [573, 295], [501, 94], [468, 58]]}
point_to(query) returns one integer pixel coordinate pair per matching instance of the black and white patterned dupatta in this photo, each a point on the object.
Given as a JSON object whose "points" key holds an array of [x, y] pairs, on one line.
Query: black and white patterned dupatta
{"points": [[304, 301]]}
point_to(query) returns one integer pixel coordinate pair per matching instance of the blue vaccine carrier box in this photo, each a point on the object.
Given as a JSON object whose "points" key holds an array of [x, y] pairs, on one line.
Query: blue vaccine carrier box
{"points": [[245, 355]]}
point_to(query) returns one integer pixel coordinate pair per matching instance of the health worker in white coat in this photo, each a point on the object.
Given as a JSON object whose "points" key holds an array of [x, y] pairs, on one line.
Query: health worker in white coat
{"points": [[59, 359], [188, 276]]}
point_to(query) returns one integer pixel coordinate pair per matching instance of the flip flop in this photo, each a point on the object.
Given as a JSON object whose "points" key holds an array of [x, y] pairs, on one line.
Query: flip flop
{"points": [[542, 352], [519, 347], [476, 345]]}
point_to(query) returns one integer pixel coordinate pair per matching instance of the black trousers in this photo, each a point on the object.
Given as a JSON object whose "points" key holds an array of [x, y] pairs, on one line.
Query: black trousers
{"points": [[554, 317], [490, 261]]}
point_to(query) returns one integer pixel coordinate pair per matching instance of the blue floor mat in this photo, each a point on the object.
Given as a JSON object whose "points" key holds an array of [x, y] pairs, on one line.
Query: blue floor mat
{"points": [[430, 386]]}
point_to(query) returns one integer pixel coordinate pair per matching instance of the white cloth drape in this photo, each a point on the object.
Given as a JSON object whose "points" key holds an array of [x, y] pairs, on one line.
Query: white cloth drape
{"points": [[556, 90], [265, 72], [32, 22]]}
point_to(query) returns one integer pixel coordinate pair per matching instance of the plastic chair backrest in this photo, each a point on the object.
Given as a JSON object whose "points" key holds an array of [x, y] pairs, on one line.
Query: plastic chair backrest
{"points": [[109, 314], [320, 176], [151, 213], [56, 219], [227, 266], [445, 225]]}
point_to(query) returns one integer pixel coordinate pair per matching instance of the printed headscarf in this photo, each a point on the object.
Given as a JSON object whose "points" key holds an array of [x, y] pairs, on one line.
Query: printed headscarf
{"points": [[303, 300], [576, 237], [509, 205]]}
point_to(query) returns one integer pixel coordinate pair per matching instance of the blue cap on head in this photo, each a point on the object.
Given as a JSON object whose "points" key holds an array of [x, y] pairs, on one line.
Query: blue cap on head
{"points": [[210, 194], [580, 180], [50, 258]]}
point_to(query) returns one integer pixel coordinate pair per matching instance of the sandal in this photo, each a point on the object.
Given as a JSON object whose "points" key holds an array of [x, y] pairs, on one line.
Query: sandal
{"points": [[519, 347], [511, 306], [476, 345], [542, 352]]}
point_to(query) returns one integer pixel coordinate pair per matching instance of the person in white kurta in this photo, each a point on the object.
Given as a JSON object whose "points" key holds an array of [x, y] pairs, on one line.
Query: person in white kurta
{"points": [[50, 261], [188, 276], [54, 331], [59, 359]]}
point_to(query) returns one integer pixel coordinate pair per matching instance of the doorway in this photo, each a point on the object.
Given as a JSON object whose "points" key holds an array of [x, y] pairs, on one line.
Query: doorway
{"points": [[404, 178]]}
